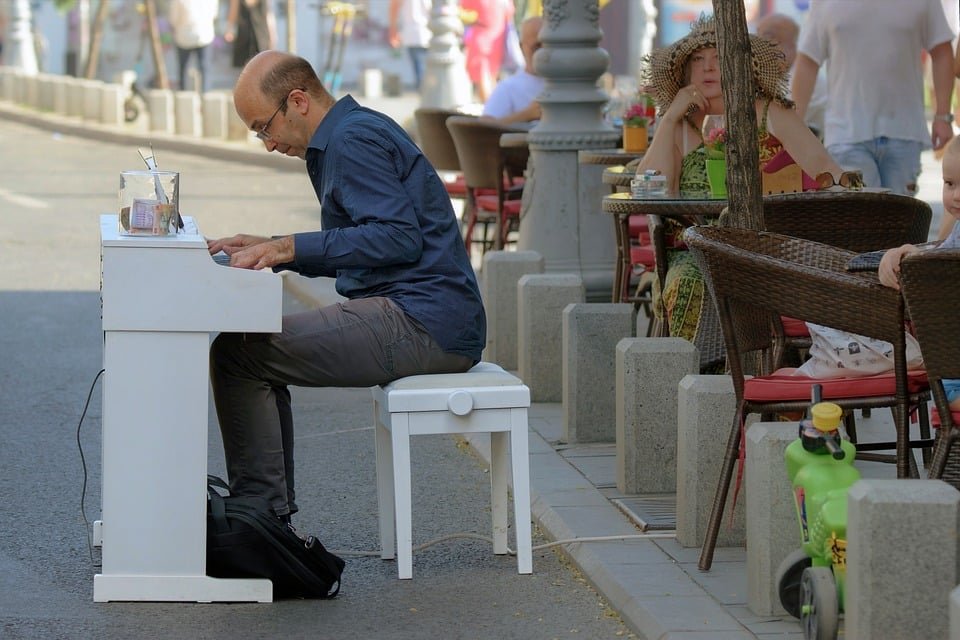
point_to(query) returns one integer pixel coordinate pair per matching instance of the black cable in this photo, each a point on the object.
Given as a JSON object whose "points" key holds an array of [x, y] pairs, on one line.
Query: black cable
{"points": [[83, 463]]}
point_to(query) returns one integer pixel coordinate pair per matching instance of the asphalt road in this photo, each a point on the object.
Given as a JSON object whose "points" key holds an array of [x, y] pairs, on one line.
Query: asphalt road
{"points": [[52, 190]]}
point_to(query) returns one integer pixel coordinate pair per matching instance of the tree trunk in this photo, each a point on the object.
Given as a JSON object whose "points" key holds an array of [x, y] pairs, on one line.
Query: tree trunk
{"points": [[291, 26], [739, 98], [161, 67], [93, 58]]}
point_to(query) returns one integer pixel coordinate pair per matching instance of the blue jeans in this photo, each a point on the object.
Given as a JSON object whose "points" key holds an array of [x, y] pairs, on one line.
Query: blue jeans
{"points": [[951, 388], [885, 162], [183, 57], [418, 58]]}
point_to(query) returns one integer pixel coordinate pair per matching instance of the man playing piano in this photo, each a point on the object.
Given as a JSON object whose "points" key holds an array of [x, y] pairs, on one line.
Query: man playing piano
{"points": [[390, 238]]}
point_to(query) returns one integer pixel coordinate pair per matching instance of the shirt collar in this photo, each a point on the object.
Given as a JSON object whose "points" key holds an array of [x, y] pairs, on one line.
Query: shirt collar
{"points": [[337, 112]]}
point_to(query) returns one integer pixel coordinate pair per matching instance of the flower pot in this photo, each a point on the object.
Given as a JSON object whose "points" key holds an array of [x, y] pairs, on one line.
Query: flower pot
{"points": [[717, 176], [634, 139]]}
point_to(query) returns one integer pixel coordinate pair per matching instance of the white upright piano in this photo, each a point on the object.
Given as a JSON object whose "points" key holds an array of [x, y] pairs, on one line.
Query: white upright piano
{"points": [[161, 298]]}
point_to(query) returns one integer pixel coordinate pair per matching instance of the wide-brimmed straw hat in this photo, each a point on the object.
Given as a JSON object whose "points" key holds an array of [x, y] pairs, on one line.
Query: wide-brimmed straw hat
{"points": [[664, 69]]}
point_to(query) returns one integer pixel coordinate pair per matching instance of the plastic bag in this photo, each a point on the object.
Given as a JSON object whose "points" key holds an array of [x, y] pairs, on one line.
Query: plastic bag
{"points": [[841, 354]]}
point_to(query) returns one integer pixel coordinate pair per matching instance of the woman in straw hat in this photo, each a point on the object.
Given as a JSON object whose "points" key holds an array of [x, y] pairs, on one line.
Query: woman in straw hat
{"points": [[684, 79]]}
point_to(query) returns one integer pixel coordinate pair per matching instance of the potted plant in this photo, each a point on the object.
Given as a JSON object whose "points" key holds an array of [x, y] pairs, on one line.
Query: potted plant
{"points": [[635, 122]]}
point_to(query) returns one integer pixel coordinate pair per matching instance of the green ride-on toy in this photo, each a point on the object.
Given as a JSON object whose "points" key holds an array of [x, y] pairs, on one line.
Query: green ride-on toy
{"points": [[811, 580]]}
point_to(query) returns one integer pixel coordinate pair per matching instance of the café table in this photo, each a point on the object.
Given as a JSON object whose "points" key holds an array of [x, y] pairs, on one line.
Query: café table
{"points": [[618, 177], [607, 157], [685, 207]]}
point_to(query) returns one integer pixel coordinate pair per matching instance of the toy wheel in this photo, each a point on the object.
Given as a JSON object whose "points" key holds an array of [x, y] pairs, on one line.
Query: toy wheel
{"points": [[788, 578], [820, 610]]}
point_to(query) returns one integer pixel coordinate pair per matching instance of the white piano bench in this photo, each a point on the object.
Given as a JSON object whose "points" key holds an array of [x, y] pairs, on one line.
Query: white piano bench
{"points": [[485, 399]]}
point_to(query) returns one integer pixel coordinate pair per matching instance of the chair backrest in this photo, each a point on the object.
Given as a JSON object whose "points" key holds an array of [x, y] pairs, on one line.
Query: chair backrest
{"points": [[928, 283], [757, 276], [434, 137], [855, 220], [482, 159]]}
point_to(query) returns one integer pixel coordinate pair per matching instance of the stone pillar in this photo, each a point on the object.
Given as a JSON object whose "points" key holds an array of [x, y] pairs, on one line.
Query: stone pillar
{"points": [[648, 374], [901, 558], [591, 332], [501, 272], [562, 220], [706, 406], [772, 528], [445, 81], [541, 300]]}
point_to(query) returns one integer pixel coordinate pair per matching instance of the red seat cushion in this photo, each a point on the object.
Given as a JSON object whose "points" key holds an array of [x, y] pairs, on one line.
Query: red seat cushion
{"points": [[642, 256], [935, 417], [781, 386], [456, 188], [793, 328], [489, 203], [637, 224]]}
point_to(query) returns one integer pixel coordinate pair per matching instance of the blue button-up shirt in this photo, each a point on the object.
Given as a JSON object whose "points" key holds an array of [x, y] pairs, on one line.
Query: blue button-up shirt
{"points": [[388, 228]]}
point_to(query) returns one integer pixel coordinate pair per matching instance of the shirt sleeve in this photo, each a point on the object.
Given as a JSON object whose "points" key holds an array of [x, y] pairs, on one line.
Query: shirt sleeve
{"points": [[383, 226], [952, 241], [498, 104]]}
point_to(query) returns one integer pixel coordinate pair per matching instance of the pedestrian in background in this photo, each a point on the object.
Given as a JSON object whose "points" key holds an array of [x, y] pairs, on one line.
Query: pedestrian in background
{"points": [[514, 99], [784, 31], [484, 41], [409, 28], [193, 22], [875, 117], [251, 28]]}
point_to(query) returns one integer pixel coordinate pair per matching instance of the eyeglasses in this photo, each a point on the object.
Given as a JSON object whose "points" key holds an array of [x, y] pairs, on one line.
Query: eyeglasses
{"points": [[847, 180], [262, 132]]}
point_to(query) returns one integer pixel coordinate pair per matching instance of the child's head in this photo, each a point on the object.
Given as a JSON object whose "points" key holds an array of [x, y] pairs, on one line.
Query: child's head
{"points": [[951, 178]]}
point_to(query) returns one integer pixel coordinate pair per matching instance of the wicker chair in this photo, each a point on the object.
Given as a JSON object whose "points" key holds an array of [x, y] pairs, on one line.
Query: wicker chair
{"points": [[437, 144], [928, 284], [854, 220], [755, 277], [493, 175]]}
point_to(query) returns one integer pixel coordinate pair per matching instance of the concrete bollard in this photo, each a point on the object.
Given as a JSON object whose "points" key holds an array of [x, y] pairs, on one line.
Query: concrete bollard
{"points": [[45, 100], [772, 528], [186, 110], [372, 86], [75, 97], [160, 106], [61, 96], [705, 409], [955, 614], [591, 332], [648, 372], [236, 129], [111, 104], [215, 117], [31, 91], [541, 300], [901, 558], [6, 84], [92, 92], [501, 272]]}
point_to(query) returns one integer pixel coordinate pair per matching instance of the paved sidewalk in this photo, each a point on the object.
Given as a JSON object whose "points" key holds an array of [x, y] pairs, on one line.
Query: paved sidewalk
{"points": [[652, 582]]}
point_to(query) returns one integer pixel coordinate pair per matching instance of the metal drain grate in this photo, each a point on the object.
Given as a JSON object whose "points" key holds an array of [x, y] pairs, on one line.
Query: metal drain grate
{"points": [[650, 512]]}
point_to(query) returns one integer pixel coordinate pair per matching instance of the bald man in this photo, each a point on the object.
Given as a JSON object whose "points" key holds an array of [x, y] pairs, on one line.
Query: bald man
{"points": [[783, 30], [513, 100], [389, 237]]}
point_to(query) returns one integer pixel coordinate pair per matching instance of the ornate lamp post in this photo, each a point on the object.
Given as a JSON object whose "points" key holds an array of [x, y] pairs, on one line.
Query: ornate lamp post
{"points": [[445, 82]]}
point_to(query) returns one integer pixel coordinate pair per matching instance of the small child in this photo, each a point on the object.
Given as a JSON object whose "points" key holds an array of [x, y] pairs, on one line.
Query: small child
{"points": [[890, 263]]}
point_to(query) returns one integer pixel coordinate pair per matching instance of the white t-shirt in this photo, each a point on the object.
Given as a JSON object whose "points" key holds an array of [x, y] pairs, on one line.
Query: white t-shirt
{"points": [[872, 50], [414, 22], [192, 22], [513, 94]]}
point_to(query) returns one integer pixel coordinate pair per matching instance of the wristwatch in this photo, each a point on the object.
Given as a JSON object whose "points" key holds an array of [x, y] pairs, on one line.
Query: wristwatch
{"points": [[944, 117]]}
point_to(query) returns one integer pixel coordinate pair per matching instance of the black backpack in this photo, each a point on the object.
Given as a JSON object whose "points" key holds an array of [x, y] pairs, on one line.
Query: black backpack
{"points": [[245, 540]]}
